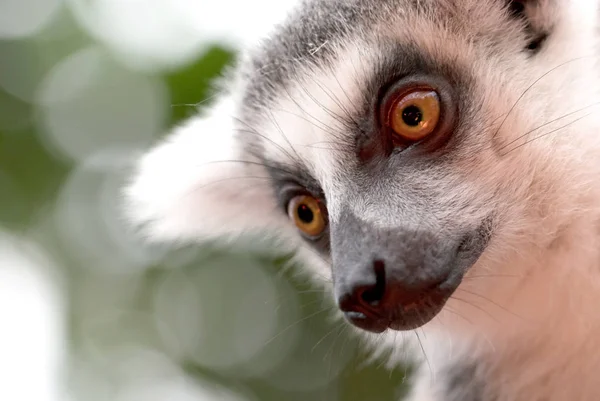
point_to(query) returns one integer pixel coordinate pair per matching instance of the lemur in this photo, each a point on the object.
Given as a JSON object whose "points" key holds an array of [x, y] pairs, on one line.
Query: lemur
{"points": [[434, 164]]}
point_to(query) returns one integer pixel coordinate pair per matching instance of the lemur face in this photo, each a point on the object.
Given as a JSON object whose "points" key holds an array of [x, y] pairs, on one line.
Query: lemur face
{"points": [[396, 145]]}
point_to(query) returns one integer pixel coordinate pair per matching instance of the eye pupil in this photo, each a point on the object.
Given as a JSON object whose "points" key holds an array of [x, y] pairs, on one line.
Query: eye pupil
{"points": [[412, 116], [305, 214]]}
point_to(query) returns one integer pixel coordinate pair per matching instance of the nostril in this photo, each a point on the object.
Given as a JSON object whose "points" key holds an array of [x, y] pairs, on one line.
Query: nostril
{"points": [[374, 294]]}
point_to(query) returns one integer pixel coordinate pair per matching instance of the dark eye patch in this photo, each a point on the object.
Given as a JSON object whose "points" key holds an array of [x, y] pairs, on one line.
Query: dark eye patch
{"points": [[537, 43], [291, 180]]}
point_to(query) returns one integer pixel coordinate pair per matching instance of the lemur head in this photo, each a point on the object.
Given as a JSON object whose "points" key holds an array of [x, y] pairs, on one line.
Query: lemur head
{"points": [[396, 145]]}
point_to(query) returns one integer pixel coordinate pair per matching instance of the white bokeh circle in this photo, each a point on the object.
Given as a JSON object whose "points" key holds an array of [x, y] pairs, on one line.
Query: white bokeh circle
{"points": [[228, 20], [142, 34], [152, 376], [174, 32], [141, 374], [89, 215], [222, 315], [33, 315], [88, 103], [24, 18]]}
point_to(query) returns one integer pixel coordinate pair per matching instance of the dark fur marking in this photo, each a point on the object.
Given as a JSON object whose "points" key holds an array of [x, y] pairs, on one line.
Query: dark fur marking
{"points": [[289, 181], [520, 10], [536, 45], [464, 384], [285, 175]]}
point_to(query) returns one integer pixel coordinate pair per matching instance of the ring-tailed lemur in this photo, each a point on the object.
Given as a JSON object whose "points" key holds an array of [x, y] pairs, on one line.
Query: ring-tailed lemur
{"points": [[438, 160]]}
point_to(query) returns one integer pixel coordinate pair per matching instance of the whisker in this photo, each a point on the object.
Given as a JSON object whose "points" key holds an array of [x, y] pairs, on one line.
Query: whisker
{"points": [[532, 85], [302, 306], [251, 130], [448, 309], [337, 146], [492, 302], [342, 330], [385, 358], [201, 102], [424, 354], [252, 163], [268, 179], [494, 276], [343, 90], [546, 134], [333, 98], [337, 101], [392, 369], [327, 129], [548, 123], [323, 339], [305, 318], [347, 340], [476, 307], [333, 115], [276, 124], [331, 130], [327, 262]]}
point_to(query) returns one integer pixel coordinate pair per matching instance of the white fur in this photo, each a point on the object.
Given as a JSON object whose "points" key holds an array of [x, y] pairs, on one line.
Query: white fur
{"points": [[196, 179]]}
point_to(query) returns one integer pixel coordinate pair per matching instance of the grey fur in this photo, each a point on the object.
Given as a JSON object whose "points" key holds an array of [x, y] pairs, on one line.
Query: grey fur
{"points": [[410, 255], [318, 24]]}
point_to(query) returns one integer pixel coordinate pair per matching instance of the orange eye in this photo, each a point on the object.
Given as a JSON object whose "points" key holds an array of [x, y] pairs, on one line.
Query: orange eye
{"points": [[414, 115], [306, 213]]}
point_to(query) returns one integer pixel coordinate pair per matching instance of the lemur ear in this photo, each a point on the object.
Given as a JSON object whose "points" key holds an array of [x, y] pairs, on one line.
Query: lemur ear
{"points": [[196, 186]]}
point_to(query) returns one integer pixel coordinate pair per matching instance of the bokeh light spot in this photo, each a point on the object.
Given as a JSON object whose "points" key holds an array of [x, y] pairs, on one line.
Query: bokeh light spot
{"points": [[90, 219], [33, 334], [88, 103], [22, 18]]}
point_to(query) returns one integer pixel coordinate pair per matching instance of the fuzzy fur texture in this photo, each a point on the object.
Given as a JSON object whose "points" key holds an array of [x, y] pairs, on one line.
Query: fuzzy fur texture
{"points": [[523, 324]]}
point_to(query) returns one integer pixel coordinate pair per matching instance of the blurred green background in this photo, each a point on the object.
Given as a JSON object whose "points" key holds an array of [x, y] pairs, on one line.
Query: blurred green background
{"points": [[108, 317]]}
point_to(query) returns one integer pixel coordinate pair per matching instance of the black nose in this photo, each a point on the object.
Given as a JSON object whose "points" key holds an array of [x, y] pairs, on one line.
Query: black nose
{"points": [[376, 302]]}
